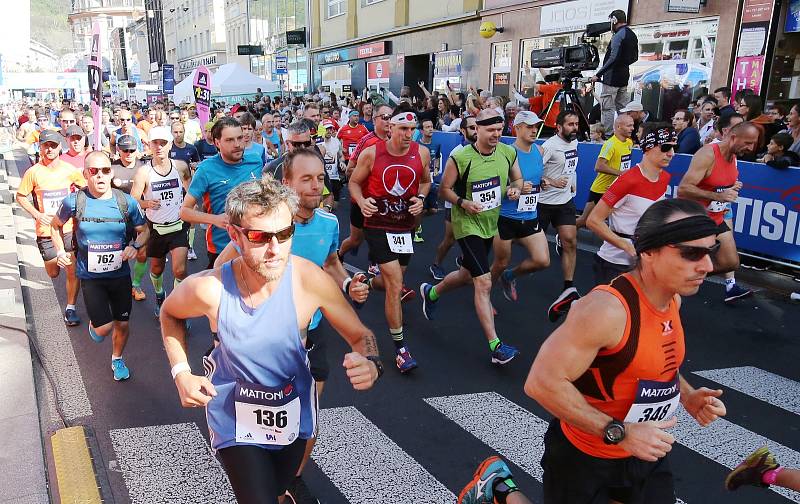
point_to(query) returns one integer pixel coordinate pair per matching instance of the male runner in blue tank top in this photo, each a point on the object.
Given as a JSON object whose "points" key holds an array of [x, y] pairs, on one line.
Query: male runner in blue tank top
{"points": [[518, 219], [259, 395]]}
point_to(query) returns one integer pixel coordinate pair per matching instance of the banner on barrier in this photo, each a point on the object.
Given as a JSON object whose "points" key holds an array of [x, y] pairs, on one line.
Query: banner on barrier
{"points": [[766, 215]]}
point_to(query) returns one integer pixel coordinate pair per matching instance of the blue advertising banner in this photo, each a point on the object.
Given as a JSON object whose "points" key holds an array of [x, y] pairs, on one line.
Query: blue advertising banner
{"points": [[168, 72], [766, 214]]}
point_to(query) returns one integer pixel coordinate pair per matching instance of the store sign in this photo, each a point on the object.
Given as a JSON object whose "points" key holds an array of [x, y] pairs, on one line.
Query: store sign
{"points": [[691, 6], [753, 35], [378, 72], [347, 88], [671, 34], [575, 15], [327, 58], [447, 63], [190, 64], [296, 37], [748, 73], [249, 50], [374, 49], [168, 81]]}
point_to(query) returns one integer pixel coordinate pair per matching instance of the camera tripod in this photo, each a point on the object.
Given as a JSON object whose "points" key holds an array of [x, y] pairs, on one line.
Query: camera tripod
{"points": [[567, 98]]}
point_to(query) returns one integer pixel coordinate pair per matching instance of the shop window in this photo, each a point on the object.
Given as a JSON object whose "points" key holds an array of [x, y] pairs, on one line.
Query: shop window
{"points": [[336, 8], [365, 3]]}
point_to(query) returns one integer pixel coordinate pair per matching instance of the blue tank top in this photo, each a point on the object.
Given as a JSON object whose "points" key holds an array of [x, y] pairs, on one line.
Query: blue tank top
{"points": [[531, 165], [274, 139], [265, 393]]}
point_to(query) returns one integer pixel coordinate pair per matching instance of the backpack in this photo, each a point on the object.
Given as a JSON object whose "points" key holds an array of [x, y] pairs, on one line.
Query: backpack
{"points": [[122, 205]]}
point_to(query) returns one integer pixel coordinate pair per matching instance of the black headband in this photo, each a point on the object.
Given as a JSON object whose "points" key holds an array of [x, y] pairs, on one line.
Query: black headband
{"points": [[675, 232], [489, 121]]}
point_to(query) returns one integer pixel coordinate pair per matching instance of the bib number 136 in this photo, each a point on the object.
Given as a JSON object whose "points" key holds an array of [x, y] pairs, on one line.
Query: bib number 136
{"points": [[269, 418]]}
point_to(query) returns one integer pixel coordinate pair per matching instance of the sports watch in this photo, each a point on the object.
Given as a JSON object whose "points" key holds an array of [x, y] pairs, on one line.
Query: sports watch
{"points": [[614, 432], [378, 364]]}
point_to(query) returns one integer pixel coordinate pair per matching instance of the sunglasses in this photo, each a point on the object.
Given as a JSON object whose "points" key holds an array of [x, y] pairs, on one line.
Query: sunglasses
{"points": [[126, 120], [128, 151], [693, 253], [174, 118], [68, 121], [299, 145], [258, 237], [667, 147], [385, 117], [93, 171]]}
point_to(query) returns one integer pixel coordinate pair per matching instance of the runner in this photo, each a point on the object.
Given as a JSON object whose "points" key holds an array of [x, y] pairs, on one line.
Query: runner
{"points": [[259, 395], [249, 129], [271, 136], [475, 179], [105, 220], [518, 221], [627, 199], [192, 129], [49, 182], [160, 185], [712, 179], [557, 206], [87, 125], [214, 179], [389, 184], [180, 149], [350, 134], [469, 134], [611, 373], [127, 128], [205, 147], [333, 160], [74, 154], [762, 470], [613, 161], [435, 149], [66, 119]]}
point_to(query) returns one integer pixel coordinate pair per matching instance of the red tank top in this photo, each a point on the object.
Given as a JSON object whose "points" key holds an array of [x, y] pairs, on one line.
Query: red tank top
{"points": [[393, 181], [723, 176]]}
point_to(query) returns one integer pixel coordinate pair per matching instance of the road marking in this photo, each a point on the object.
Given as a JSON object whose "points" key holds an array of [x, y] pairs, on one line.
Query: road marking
{"points": [[755, 382], [368, 467], [75, 477], [728, 444], [169, 463]]}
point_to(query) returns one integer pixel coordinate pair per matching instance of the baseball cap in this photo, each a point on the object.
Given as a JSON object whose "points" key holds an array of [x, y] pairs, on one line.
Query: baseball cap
{"points": [[236, 108], [50, 136], [633, 106], [160, 133], [328, 124], [75, 130], [527, 117], [126, 142]]}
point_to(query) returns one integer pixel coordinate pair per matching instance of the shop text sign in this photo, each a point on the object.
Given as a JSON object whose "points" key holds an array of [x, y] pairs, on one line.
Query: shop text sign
{"points": [[369, 50], [748, 73], [575, 15]]}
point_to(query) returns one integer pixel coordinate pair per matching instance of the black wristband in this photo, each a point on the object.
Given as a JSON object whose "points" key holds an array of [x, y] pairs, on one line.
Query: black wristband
{"points": [[459, 201]]}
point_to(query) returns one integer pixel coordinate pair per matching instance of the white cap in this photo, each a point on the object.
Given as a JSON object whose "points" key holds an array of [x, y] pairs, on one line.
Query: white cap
{"points": [[160, 133], [527, 117], [633, 106]]}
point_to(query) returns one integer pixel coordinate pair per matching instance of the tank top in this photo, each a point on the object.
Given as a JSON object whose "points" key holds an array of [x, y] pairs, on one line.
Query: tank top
{"points": [[265, 393], [274, 139], [168, 190], [123, 176], [393, 182], [723, 176], [637, 380], [531, 165]]}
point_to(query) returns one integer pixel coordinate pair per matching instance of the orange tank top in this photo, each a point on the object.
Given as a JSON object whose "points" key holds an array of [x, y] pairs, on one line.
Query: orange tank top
{"points": [[637, 380]]}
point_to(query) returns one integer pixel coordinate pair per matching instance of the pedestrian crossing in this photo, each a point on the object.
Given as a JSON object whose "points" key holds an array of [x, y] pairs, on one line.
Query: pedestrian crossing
{"points": [[367, 466]]}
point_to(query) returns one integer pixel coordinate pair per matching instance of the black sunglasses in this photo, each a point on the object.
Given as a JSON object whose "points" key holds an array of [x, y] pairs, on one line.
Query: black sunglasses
{"points": [[694, 253], [667, 147], [128, 151], [299, 145], [94, 171], [259, 237], [385, 117]]}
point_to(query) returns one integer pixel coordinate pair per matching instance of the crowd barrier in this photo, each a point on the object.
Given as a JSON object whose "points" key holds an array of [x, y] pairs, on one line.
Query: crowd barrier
{"points": [[765, 215]]}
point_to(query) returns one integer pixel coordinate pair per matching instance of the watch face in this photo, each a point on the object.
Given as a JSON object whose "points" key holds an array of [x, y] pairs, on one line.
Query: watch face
{"points": [[615, 433]]}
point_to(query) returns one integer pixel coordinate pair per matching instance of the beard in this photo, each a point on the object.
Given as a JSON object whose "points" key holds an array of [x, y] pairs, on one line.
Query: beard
{"points": [[264, 271]]}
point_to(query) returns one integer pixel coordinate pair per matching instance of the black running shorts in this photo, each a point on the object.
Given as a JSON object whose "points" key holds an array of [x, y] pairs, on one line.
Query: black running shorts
{"points": [[475, 254], [107, 299], [260, 475], [356, 217], [595, 197], [514, 229], [556, 215], [159, 246], [316, 343], [379, 250]]}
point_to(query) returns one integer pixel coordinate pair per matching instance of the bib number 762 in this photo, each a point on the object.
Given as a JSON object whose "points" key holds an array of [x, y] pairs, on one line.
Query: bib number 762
{"points": [[269, 418]]}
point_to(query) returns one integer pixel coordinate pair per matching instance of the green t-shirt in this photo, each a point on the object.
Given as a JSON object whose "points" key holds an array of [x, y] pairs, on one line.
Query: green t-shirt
{"points": [[486, 181]]}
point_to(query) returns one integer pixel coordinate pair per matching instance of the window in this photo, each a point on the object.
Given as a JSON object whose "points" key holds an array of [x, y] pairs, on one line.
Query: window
{"points": [[336, 8], [364, 3]]}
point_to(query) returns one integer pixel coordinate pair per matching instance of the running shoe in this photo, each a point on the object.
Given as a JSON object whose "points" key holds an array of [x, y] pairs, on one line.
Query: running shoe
{"points": [[735, 293], [503, 354], [751, 470], [121, 371], [407, 295], [299, 493], [138, 294], [404, 361], [480, 489], [459, 261], [159, 301], [71, 317], [374, 269], [561, 305], [191, 255], [559, 248], [437, 272], [93, 334], [509, 284], [418, 235], [428, 306]]}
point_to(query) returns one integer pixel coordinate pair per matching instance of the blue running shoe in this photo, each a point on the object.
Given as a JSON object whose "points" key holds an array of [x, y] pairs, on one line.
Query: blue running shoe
{"points": [[480, 489], [736, 292], [509, 284], [404, 361], [503, 354], [436, 272], [71, 317], [428, 306], [121, 371], [159, 301], [95, 337]]}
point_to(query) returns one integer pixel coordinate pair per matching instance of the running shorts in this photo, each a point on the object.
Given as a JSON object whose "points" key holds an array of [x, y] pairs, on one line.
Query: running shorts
{"points": [[48, 251], [159, 246], [595, 197], [356, 217], [107, 299], [556, 215], [475, 254], [514, 229], [379, 250], [317, 346]]}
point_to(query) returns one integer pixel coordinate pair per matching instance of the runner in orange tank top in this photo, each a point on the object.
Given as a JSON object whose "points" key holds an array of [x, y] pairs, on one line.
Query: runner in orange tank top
{"points": [[712, 180], [611, 373]]}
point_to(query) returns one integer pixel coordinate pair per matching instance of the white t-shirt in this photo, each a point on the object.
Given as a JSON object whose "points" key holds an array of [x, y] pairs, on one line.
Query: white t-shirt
{"points": [[332, 147], [560, 160]]}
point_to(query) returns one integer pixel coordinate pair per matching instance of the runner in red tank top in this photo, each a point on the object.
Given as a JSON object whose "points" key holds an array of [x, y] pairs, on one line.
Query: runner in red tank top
{"points": [[712, 180], [389, 184]]}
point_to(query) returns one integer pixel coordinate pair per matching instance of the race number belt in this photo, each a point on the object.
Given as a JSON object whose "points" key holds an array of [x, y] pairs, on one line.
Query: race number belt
{"points": [[104, 257], [400, 243], [171, 227], [528, 202], [718, 206], [625, 163], [655, 401], [570, 162], [51, 200], [266, 415], [487, 193]]}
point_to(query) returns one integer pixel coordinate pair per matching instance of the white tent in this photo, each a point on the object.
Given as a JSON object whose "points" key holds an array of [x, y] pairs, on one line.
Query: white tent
{"points": [[229, 79], [183, 89]]}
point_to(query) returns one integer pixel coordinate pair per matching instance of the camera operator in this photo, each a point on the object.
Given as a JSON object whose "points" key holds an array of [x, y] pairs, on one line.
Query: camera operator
{"points": [[622, 52]]}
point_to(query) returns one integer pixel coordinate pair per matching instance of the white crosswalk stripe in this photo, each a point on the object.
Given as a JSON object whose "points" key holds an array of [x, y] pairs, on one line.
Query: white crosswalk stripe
{"points": [[768, 387]]}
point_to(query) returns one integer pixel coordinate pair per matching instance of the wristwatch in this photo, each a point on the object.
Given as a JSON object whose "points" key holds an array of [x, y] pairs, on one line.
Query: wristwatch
{"points": [[135, 246], [378, 363], [614, 432], [420, 197]]}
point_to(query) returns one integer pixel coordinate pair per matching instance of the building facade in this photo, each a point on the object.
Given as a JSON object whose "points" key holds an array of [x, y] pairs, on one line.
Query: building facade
{"points": [[194, 34], [110, 14], [237, 30]]}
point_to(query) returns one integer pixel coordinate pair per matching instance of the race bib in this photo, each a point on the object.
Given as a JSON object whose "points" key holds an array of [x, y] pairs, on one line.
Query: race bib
{"points": [[168, 192], [718, 206], [625, 163], [528, 202], [570, 162], [51, 200], [351, 149], [400, 243], [655, 401], [487, 193], [104, 257], [266, 415], [330, 167]]}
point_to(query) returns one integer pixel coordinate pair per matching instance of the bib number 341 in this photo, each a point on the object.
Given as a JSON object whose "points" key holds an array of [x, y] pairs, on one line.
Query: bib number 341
{"points": [[400, 243]]}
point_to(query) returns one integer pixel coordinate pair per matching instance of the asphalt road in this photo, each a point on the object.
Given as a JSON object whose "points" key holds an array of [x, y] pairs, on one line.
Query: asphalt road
{"points": [[418, 438]]}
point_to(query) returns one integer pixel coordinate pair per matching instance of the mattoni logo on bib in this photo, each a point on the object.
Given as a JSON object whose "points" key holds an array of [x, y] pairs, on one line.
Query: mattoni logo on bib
{"points": [[397, 179]]}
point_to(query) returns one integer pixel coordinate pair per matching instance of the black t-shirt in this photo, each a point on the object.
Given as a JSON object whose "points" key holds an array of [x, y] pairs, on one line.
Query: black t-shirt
{"points": [[187, 153], [123, 177], [205, 150]]}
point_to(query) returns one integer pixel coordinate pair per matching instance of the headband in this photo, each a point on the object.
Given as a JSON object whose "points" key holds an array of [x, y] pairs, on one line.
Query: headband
{"points": [[660, 136], [675, 232], [489, 121], [404, 118]]}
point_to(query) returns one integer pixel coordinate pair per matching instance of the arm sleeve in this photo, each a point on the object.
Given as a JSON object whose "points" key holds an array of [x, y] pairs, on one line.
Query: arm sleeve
{"points": [[613, 48]]}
